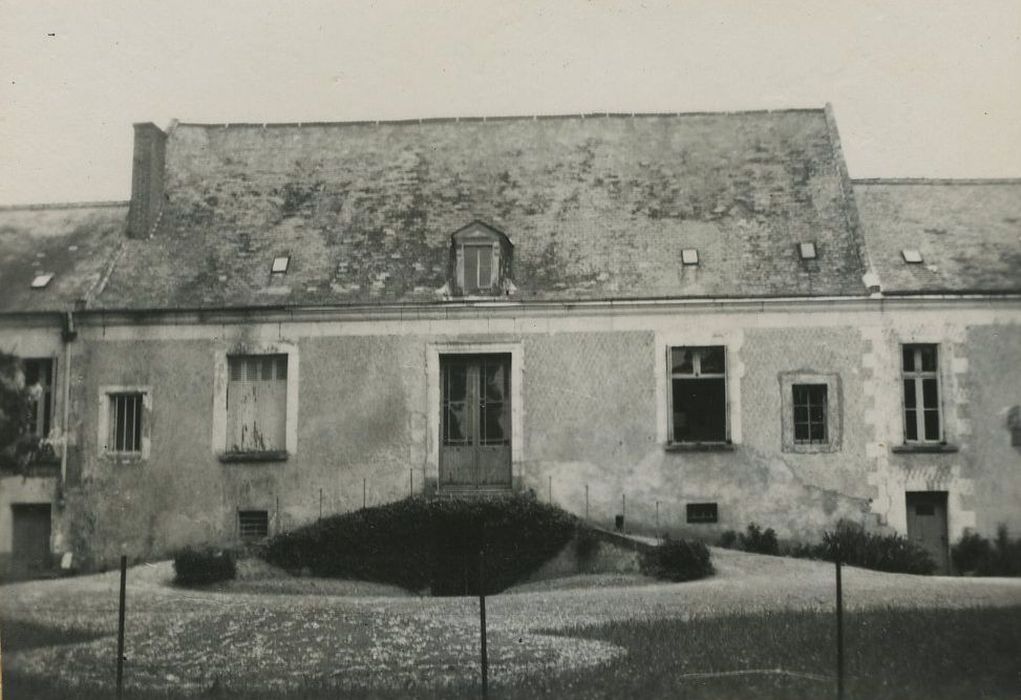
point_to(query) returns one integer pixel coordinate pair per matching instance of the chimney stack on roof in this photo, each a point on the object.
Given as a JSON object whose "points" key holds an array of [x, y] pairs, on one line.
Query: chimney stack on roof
{"points": [[146, 180]]}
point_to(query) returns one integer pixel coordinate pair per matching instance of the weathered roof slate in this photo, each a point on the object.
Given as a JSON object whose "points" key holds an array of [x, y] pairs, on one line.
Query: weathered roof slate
{"points": [[597, 207], [968, 232], [75, 242]]}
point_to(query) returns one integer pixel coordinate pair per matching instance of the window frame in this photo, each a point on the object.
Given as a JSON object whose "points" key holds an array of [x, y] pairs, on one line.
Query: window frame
{"points": [[247, 537], [833, 412], [809, 404], [105, 427], [918, 376], [671, 376], [478, 237], [221, 379], [43, 420], [245, 361]]}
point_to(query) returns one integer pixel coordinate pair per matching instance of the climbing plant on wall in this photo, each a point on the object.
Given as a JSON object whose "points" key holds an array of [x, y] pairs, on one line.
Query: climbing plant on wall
{"points": [[18, 443]]}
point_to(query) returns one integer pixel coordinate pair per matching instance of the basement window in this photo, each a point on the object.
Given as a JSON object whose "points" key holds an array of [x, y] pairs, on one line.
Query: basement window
{"points": [[280, 264], [689, 256], [702, 513], [807, 250], [698, 394], [912, 256], [40, 281], [253, 524]]}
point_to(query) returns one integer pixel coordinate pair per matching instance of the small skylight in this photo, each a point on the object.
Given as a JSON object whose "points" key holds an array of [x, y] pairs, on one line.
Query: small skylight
{"points": [[689, 256], [41, 280], [807, 250], [280, 264], [911, 255]]}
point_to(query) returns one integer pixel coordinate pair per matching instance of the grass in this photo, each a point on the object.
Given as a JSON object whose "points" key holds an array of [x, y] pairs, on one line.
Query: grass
{"points": [[932, 653]]}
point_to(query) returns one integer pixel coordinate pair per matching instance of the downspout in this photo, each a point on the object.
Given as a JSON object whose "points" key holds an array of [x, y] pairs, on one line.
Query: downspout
{"points": [[68, 334]]}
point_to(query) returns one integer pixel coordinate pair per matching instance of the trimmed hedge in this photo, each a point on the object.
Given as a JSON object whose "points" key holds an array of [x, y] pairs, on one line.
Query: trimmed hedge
{"points": [[202, 566], [678, 560], [974, 555], [754, 539], [891, 553], [419, 543]]}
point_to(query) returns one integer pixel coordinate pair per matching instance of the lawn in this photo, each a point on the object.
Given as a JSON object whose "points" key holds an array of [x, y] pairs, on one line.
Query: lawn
{"points": [[906, 636]]}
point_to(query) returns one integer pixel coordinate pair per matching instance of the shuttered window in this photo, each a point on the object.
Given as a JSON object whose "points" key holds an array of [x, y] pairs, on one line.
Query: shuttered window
{"points": [[257, 403], [125, 422]]}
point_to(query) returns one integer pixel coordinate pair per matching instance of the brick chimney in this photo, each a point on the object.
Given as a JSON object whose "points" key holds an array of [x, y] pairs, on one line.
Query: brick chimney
{"points": [[146, 179]]}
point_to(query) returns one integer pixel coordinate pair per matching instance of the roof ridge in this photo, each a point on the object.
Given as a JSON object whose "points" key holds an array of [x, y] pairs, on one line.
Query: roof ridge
{"points": [[64, 205], [936, 181], [512, 117]]}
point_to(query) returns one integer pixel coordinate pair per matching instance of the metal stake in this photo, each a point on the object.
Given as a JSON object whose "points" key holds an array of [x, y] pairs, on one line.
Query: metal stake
{"points": [[482, 621], [120, 627], [840, 632], [586, 501]]}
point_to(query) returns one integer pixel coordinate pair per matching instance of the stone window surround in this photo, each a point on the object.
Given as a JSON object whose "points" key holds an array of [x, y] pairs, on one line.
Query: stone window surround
{"points": [[834, 411], [103, 423], [221, 376]]}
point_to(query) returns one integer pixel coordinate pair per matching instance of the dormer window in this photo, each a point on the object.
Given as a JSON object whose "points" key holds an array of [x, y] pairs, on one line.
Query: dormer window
{"points": [[481, 258], [280, 264]]}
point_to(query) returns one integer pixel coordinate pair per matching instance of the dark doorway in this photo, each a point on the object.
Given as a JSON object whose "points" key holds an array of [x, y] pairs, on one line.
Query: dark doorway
{"points": [[31, 546], [927, 525], [475, 422]]}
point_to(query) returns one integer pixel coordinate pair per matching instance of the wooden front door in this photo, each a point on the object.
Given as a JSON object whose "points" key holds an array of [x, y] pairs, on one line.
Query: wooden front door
{"points": [[31, 542], [475, 425], [927, 525]]}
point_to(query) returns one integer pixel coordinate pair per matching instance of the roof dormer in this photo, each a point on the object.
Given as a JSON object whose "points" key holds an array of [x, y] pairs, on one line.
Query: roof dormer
{"points": [[480, 261]]}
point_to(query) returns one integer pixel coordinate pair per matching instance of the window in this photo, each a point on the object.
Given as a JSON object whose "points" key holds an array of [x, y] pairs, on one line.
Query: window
{"points": [[253, 524], [257, 403], [809, 402], [698, 394], [689, 256], [702, 513], [41, 280], [125, 423], [922, 420], [912, 256], [481, 260], [810, 418], [280, 264], [39, 380], [807, 250]]}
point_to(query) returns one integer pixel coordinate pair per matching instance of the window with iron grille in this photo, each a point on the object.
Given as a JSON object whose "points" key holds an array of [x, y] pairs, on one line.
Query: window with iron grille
{"points": [[257, 403], [810, 401], [698, 386], [923, 420], [253, 524], [125, 422], [39, 380], [702, 513]]}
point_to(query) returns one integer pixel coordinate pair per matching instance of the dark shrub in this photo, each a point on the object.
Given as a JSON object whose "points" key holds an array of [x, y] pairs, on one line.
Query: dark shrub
{"points": [[586, 543], [198, 567], [420, 543], [678, 560], [728, 539], [891, 553], [975, 555], [759, 542]]}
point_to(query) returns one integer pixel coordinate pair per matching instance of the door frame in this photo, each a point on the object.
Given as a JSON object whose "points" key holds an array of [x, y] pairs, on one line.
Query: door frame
{"points": [[434, 398], [21, 568]]}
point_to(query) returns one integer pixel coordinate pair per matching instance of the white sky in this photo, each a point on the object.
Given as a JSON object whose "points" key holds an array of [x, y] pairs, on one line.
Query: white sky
{"points": [[920, 87]]}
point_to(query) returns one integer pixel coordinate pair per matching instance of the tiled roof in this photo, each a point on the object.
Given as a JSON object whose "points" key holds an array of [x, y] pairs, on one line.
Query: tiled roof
{"points": [[967, 231], [597, 207], [74, 242]]}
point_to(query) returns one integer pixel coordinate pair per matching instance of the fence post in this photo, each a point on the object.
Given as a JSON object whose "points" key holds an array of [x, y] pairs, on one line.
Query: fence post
{"points": [[363, 492], [586, 502], [840, 630], [657, 518], [120, 627], [320, 504], [411, 482], [482, 620], [549, 491]]}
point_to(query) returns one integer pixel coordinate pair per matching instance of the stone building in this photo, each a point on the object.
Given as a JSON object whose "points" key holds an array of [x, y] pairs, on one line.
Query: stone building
{"points": [[696, 320]]}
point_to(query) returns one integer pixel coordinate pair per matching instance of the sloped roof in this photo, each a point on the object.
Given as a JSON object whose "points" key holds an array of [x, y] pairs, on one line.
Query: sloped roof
{"points": [[597, 207], [967, 231], [74, 242]]}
